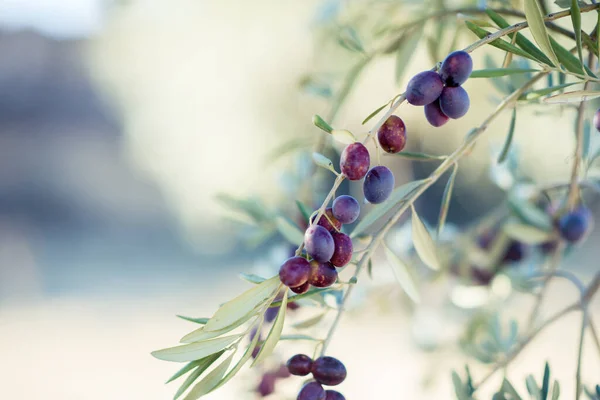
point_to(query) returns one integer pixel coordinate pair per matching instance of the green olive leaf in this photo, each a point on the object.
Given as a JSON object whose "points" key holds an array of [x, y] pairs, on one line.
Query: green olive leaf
{"points": [[195, 351], [201, 366], [535, 19], [424, 244], [403, 275], [274, 334], [210, 381]]}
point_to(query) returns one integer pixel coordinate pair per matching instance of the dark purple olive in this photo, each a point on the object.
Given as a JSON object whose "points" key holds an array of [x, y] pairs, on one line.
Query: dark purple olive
{"points": [[312, 391], [318, 243], [424, 88], [454, 102], [325, 219], [294, 271], [379, 184], [574, 225], [333, 395], [322, 274], [345, 209], [597, 120], [301, 289], [456, 68], [328, 371], [434, 114], [299, 365], [267, 385], [343, 249]]}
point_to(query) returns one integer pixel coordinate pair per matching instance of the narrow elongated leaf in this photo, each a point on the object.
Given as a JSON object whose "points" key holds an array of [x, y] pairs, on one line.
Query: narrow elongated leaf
{"points": [[348, 38], [570, 62], [529, 214], [374, 113], [202, 365], [532, 386], [419, 156], [424, 244], [210, 381], [403, 276], [323, 162], [195, 351], [321, 124], [399, 194], [310, 322], [187, 368], [545, 383], [536, 94], [298, 337], [509, 137], [576, 96], [243, 305], [496, 72], [274, 333], [520, 39], [244, 359], [498, 43], [201, 321], [555, 390], [446, 200], [343, 136], [288, 230], [576, 20], [526, 233], [406, 51], [507, 387], [537, 27]]}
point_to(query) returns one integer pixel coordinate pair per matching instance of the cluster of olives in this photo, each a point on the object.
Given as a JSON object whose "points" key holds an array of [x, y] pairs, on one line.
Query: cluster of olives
{"points": [[571, 226], [441, 92], [328, 371]]}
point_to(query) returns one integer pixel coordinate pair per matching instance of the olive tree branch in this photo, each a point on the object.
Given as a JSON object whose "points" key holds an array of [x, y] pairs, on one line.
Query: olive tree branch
{"points": [[435, 175]]}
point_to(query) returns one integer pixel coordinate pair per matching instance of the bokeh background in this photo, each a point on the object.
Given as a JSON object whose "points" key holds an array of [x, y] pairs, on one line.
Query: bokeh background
{"points": [[120, 121]]}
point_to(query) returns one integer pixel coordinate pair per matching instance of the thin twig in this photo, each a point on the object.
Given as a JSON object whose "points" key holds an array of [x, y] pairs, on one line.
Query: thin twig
{"points": [[580, 353]]}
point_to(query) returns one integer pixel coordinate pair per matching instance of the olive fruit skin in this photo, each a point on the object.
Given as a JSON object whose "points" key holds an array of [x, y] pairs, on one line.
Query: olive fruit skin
{"points": [[345, 209], [294, 271], [456, 68], [328, 371], [324, 221], [266, 385], [454, 102], [392, 135], [515, 252], [424, 88], [355, 161], [574, 225], [312, 391], [343, 249], [333, 395], [322, 274], [318, 243], [434, 114], [301, 289], [379, 184], [299, 365]]}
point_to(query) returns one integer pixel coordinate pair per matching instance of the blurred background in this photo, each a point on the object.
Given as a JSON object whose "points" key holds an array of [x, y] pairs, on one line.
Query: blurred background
{"points": [[121, 122]]}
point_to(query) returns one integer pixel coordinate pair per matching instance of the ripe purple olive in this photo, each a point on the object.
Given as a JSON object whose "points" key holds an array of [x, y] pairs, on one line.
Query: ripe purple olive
{"points": [[266, 385], [345, 209], [597, 120], [435, 115], [325, 222], [424, 88], [333, 395], [343, 249], [515, 252], [318, 243], [456, 68], [282, 372], [355, 161], [312, 391], [378, 185], [271, 314], [392, 135], [294, 271], [301, 289], [322, 274], [454, 102], [574, 225], [328, 371], [299, 365]]}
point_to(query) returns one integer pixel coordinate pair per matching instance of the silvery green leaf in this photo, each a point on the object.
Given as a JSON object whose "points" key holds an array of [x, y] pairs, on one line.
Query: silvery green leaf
{"points": [[274, 334], [526, 233], [321, 124], [343, 136], [323, 162], [201, 366], [252, 278], [576, 96], [210, 381], [537, 27], [309, 322], [424, 244], [403, 275], [555, 390], [201, 321], [532, 386], [242, 306], [195, 351]]}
